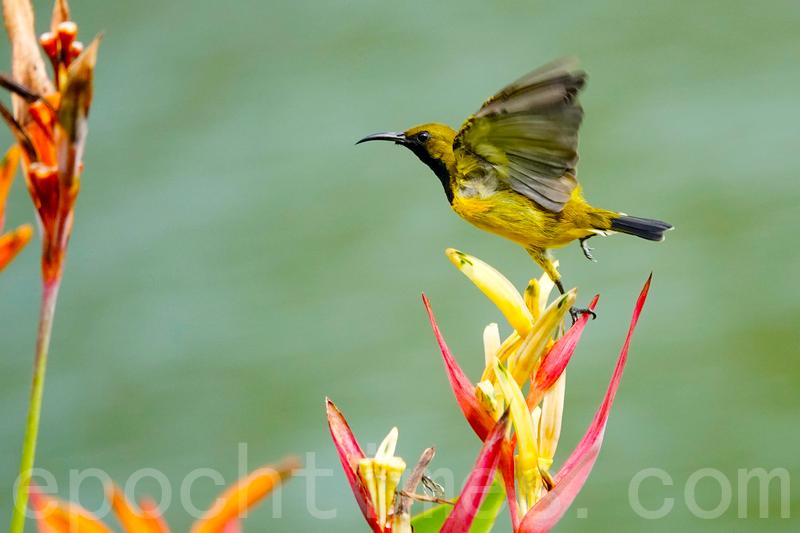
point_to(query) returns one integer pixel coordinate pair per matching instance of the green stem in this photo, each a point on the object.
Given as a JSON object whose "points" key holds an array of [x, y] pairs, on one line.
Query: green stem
{"points": [[49, 297]]}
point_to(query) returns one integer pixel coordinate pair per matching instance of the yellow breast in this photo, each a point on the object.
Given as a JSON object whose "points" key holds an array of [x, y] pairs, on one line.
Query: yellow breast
{"points": [[517, 218], [504, 213]]}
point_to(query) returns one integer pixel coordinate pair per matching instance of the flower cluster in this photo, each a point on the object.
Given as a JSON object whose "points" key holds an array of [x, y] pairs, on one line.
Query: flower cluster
{"points": [[56, 516], [50, 119], [523, 382]]}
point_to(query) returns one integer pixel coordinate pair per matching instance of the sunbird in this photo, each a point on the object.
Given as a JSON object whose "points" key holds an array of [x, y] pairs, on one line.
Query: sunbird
{"points": [[511, 168]]}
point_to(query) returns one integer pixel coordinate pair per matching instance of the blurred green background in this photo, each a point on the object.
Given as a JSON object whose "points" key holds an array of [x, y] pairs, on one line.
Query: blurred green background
{"points": [[236, 258]]}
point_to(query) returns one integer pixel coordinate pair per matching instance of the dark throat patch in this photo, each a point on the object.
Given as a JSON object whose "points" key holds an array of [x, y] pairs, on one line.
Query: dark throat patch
{"points": [[438, 167]]}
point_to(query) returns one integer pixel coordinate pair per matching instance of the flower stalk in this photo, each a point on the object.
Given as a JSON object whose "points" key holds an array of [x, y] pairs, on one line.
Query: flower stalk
{"points": [[45, 329]]}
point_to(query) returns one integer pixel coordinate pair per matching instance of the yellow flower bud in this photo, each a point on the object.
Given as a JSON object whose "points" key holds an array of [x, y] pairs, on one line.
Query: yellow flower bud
{"points": [[496, 287]]}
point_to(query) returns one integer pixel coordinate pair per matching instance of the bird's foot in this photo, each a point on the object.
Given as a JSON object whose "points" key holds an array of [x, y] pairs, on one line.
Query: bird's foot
{"points": [[576, 312], [587, 250]]}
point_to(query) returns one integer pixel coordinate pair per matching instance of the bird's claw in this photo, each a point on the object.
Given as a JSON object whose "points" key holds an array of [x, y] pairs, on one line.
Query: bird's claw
{"points": [[587, 250], [575, 312]]}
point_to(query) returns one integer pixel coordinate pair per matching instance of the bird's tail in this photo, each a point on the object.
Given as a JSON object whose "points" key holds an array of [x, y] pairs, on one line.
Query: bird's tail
{"points": [[646, 228]]}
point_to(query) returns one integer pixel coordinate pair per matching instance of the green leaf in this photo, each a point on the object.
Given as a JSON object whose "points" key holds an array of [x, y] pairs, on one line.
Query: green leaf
{"points": [[490, 508], [431, 521]]}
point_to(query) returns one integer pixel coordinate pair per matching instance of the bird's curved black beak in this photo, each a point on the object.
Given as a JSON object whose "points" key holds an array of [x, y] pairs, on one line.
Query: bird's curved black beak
{"points": [[398, 137]]}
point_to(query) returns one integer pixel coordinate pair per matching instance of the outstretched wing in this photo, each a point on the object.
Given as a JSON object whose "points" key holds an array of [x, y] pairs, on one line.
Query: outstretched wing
{"points": [[527, 135]]}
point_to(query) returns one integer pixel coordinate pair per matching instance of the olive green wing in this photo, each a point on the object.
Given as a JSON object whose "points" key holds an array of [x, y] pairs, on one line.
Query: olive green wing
{"points": [[527, 135]]}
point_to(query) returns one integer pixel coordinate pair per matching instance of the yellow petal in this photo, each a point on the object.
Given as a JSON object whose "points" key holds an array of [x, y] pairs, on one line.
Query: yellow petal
{"points": [[388, 445], [550, 425], [487, 396], [367, 474], [546, 286], [528, 458], [536, 418], [532, 299], [496, 287], [523, 362], [382, 474], [509, 347], [491, 343], [388, 472]]}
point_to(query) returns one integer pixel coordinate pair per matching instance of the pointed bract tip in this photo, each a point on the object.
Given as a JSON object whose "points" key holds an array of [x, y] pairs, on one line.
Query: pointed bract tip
{"points": [[287, 466]]}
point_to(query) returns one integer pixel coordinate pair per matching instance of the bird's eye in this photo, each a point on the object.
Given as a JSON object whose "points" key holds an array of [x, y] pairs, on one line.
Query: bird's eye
{"points": [[423, 136]]}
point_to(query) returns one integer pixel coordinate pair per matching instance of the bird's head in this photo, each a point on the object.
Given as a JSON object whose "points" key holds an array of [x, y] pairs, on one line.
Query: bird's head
{"points": [[431, 143]]}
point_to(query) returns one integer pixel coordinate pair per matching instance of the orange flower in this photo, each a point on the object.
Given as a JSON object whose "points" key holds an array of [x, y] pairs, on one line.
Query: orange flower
{"points": [[50, 119], [56, 516], [12, 242]]}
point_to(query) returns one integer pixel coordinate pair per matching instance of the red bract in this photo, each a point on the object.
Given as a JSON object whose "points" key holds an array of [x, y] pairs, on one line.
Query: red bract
{"points": [[463, 389], [555, 361], [350, 454], [479, 481], [573, 474]]}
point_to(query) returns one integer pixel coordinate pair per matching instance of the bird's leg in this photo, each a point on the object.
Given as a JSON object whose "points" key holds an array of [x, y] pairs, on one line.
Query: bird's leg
{"points": [[544, 260], [576, 312], [560, 286], [587, 250]]}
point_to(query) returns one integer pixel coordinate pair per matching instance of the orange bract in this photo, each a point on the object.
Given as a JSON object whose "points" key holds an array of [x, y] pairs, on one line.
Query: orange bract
{"points": [[11, 243], [243, 495], [55, 516], [145, 520]]}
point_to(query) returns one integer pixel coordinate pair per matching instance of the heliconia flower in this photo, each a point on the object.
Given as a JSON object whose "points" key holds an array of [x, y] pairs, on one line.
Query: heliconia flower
{"points": [[536, 359], [50, 119], [56, 516], [375, 480], [14, 241]]}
